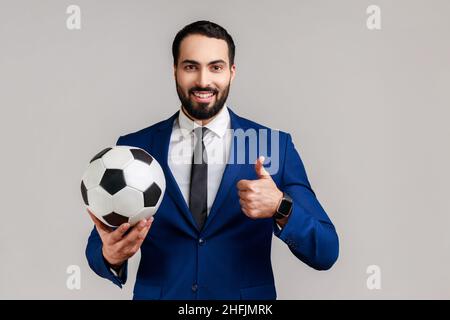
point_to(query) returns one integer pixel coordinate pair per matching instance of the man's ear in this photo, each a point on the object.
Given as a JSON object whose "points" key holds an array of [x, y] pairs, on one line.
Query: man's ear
{"points": [[233, 72]]}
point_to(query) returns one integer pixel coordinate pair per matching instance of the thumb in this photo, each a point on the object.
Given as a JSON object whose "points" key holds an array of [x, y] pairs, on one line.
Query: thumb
{"points": [[259, 168]]}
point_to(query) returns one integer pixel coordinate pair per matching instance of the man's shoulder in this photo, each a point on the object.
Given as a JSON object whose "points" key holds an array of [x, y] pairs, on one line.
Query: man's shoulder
{"points": [[250, 124], [145, 133]]}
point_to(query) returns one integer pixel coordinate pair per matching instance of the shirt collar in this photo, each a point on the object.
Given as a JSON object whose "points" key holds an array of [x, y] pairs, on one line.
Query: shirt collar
{"points": [[218, 125]]}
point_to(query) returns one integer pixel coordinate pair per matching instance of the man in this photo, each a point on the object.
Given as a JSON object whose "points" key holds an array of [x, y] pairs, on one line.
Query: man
{"points": [[211, 237]]}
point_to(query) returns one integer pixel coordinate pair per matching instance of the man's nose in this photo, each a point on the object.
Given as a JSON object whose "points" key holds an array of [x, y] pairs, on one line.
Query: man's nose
{"points": [[203, 79]]}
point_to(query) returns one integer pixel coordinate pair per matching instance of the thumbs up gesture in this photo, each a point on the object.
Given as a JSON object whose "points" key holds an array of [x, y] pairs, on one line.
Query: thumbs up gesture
{"points": [[259, 198]]}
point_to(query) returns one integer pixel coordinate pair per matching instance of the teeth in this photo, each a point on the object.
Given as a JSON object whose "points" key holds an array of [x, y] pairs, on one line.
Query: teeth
{"points": [[203, 95]]}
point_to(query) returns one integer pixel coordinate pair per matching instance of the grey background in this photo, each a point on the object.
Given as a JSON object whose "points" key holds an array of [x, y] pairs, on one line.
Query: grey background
{"points": [[368, 112]]}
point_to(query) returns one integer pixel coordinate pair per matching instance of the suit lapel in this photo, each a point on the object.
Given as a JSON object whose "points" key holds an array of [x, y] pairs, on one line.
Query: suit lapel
{"points": [[231, 173]]}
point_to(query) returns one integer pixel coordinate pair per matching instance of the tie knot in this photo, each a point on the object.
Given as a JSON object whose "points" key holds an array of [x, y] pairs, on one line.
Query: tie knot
{"points": [[200, 132]]}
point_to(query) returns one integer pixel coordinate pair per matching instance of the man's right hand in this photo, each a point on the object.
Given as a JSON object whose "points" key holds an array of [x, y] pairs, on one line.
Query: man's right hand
{"points": [[118, 247]]}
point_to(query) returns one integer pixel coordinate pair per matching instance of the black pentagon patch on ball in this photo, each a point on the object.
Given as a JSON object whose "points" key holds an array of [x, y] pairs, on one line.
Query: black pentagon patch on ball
{"points": [[141, 155], [115, 219], [84, 193], [100, 154], [113, 181], [151, 195]]}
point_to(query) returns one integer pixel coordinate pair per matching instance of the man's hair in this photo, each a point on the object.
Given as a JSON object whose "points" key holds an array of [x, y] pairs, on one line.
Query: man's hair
{"points": [[205, 28]]}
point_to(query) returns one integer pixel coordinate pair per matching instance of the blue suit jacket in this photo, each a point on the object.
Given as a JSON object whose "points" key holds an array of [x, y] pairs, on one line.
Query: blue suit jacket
{"points": [[230, 258]]}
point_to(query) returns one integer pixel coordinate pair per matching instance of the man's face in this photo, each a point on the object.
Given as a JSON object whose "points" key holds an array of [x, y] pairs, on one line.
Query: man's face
{"points": [[203, 75]]}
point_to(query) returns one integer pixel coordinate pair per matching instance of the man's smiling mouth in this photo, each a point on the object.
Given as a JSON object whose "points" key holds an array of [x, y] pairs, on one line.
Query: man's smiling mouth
{"points": [[203, 96]]}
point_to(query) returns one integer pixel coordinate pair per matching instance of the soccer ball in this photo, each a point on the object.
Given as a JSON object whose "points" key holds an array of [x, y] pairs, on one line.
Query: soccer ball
{"points": [[123, 184]]}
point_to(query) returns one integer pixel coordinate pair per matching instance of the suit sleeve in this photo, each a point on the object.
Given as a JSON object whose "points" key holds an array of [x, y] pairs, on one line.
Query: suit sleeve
{"points": [[98, 263], [309, 233]]}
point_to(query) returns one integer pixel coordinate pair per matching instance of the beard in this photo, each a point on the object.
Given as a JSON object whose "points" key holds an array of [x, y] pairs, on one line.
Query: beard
{"points": [[203, 111]]}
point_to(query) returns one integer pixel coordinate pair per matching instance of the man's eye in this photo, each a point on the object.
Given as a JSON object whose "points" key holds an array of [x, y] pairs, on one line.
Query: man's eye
{"points": [[217, 68], [190, 67]]}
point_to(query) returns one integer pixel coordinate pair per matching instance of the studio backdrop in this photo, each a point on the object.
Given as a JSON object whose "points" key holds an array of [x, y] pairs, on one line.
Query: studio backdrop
{"points": [[361, 86]]}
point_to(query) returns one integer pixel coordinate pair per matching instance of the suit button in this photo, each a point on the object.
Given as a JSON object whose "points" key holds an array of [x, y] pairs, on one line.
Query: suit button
{"points": [[195, 287], [201, 241]]}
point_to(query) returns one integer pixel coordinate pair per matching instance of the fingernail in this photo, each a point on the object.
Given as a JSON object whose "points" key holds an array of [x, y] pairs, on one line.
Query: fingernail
{"points": [[142, 223]]}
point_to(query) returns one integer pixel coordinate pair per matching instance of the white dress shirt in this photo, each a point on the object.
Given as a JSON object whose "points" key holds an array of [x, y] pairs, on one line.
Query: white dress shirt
{"points": [[217, 142]]}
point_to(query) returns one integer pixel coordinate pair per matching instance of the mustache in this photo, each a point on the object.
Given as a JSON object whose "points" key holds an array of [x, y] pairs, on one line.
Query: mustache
{"points": [[215, 91]]}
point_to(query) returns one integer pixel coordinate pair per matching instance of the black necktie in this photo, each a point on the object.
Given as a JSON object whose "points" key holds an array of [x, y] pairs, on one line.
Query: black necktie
{"points": [[199, 179]]}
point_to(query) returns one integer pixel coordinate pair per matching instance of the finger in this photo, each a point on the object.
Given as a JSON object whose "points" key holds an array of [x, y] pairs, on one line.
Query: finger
{"points": [[138, 245], [244, 204], [259, 168], [133, 250], [140, 237], [247, 212], [101, 227], [132, 237], [117, 234], [134, 245], [143, 233], [243, 184], [245, 194]]}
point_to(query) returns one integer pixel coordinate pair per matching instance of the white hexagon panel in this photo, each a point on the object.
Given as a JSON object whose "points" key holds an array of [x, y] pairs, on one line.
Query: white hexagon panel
{"points": [[100, 201], [128, 202], [136, 175], [142, 214], [117, 158], [94, 174]]}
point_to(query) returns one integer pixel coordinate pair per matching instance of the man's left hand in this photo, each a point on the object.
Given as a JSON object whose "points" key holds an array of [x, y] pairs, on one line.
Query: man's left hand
{"points": [[259, 198]]}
